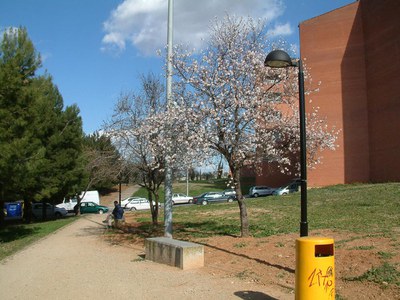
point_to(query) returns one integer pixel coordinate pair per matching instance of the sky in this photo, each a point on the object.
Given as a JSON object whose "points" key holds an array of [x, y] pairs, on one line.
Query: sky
{"points": [[95, 50]]}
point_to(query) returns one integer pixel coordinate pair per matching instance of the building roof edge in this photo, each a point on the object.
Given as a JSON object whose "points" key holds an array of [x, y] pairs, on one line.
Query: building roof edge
{"points": [[328, 12]]}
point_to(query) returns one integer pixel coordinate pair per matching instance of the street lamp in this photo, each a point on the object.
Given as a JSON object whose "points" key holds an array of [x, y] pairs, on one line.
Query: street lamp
{"points": [[280, 59]]}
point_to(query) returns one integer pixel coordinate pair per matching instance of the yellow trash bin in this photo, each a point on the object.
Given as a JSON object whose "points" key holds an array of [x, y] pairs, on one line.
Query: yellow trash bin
{"points": [[315, 269]]}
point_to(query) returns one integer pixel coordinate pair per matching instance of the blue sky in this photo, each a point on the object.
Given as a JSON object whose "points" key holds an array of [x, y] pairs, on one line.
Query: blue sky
{"points": [[95, 50]]}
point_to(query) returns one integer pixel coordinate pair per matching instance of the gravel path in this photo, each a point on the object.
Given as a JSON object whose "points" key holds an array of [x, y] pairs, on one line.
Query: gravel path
{"points": [[75, 263]]}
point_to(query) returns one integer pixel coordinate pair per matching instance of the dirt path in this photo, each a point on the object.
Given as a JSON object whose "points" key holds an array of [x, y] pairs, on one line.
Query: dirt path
{"points": [[76, 263]]}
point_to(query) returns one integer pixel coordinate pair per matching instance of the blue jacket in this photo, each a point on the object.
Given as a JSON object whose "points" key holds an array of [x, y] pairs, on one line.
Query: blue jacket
{"points": [[118, 212]]}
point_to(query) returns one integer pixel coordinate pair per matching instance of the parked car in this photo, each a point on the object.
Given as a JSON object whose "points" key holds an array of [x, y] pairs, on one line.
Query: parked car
{"points": [[181, 198], [291, 187], [210, 197], [127, 200], [88, 196], [229, 192], [262, 190], [51, 211], [138, 204], [91, 208]]}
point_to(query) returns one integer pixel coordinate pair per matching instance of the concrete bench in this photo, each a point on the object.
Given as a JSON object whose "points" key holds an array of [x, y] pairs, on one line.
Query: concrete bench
{"points": [[184, 255]]}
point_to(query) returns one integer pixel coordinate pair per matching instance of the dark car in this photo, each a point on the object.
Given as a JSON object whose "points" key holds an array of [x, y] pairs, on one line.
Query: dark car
{"points": [[210, 197], [51, 211], [91, 208], [261, 190]]}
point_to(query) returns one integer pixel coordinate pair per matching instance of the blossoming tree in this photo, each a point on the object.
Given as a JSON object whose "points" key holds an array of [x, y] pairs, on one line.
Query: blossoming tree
{"points": [[148, 133], [247, 112]]}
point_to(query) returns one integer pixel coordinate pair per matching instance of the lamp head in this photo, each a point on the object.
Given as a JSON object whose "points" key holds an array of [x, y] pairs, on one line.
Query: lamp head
{"points": [[278, 59]]}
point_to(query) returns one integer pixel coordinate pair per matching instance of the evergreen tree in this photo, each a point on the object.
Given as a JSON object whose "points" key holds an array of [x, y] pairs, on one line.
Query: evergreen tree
{"points": [[18, 63], [40, 142], [58, 170]]}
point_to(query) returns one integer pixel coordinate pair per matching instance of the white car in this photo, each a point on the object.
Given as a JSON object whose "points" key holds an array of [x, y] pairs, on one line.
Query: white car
{"points": [[181, 198], [51, 211], [138, 204], [229, 192], [127, 200], [292, 187]]}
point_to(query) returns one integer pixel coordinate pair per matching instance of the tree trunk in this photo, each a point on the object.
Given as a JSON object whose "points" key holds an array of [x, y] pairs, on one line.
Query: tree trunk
{"points": [[78, 205], [244, 220], [27, 211], [220, 169], [154, 208], [2, 222], [44, 210]]}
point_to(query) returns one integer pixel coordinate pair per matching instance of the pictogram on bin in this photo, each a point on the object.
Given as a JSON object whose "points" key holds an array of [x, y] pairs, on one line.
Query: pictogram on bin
{"points": [[315, 269]]}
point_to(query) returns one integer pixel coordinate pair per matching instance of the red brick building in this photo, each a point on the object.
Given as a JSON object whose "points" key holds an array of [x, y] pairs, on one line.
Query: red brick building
{"points": [[355, 52]]}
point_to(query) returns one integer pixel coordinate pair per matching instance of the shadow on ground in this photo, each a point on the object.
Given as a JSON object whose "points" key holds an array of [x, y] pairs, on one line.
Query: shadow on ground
{"points": [[251, 295]]}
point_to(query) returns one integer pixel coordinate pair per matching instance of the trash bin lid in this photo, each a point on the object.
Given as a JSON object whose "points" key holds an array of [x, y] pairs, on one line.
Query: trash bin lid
{"points": [[315, 240]]}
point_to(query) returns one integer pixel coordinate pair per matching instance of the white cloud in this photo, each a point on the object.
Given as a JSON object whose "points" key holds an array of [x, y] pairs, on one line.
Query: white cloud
{"points": [[45, 56], [143, 23], [280, 30]]}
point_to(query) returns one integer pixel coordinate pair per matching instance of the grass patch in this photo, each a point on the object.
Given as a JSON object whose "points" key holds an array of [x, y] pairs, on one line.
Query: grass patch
{"points": [[240, 245], [139, 259], [338, 297], [281, 275], [16, 237], [383, 275], [245, 275], [362, 248], [386, 255]]}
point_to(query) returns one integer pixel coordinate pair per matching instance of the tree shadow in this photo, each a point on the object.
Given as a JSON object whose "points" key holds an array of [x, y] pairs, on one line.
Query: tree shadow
{"points": [[206, 229], [251, 295], [260, 261], [182, 230], [87, 217], [13, 233]]}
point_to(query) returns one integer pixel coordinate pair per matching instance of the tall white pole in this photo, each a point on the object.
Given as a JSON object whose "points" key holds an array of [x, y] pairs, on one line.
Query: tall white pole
{"points": [[187, 181], [168, 170]]}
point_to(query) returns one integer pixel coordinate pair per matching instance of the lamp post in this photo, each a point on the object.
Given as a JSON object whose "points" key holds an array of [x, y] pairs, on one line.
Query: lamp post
{"points": [[168, 169], [280, 59]]}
